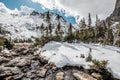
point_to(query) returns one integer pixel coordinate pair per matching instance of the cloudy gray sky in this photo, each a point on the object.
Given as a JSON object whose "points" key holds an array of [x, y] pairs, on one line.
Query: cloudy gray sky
{"points": [[81, 7]]}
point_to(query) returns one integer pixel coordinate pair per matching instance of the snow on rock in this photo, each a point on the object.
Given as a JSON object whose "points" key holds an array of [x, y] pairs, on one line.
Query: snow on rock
{"points": [[6, 51], [69, 54]]}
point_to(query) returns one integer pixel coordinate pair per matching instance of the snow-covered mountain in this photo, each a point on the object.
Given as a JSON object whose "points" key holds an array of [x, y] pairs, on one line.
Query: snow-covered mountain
{"points": [[26, 22]]}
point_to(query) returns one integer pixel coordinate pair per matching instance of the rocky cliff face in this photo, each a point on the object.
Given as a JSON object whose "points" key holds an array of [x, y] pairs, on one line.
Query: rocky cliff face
{"points": [[116, 13]]}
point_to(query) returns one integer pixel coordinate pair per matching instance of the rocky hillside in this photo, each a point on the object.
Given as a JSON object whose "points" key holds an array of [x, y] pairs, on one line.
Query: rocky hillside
{"points": [[26, 63]]}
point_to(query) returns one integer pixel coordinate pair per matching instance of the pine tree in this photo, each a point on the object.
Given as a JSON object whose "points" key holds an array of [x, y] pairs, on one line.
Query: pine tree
{"points": [[97, 28], [42, 30], [46, 30], [50, 29], [0, 30], [58, 29], [108, 37], [70, 29], [89, 20], [97, 22], [108, 22], [117, 35], [48, 17], [58, 32], [70, 36], [58, 17], [82, 23]]}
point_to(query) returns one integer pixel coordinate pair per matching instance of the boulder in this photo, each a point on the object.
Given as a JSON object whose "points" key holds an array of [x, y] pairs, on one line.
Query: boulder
{"points": [[20, 49], [60, 76], [7, 71], [9, 78], [97, 76], [24, 78], [4, 59], [43, 60], [82, 76], [18, 76], [68, 75], [42, 72], [19, 61]]}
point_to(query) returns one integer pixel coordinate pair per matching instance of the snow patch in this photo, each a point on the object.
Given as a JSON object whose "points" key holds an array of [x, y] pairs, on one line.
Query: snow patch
{"points": [[63, 54]]}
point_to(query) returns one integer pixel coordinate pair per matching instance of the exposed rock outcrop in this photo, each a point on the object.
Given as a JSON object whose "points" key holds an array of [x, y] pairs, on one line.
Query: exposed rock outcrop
{"points": [[116, 13]]}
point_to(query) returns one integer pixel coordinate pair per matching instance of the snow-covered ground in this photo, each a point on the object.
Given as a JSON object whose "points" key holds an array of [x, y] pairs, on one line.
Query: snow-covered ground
{"points": [[69, 54]]}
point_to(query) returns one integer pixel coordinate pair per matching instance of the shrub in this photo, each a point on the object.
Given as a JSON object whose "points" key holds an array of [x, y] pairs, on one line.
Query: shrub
{"points": [[6, 44], [42, 41], [1, 47], [99, 64], [69, 38], [1, 71], [9, 45], [104, 63], [82, 56], [89, 58], [2, 40]]}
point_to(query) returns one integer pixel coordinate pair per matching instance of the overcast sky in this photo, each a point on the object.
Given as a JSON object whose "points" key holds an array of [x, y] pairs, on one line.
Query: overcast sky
{"points": [[73, 8], [81, 7]]}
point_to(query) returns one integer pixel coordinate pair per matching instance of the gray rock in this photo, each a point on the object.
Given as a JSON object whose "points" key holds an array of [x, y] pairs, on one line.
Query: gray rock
{"points": [[19, 61], [25, 78], [6, 71], [116, 13], [60, 76], [4, 60], [83, 76], [28, 74], [68, 75], [18, 76], [9, 78], [97, 76], [42, 72]]}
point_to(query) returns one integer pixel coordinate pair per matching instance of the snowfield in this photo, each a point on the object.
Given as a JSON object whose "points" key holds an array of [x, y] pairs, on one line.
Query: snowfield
{"points": [[69, 54]]}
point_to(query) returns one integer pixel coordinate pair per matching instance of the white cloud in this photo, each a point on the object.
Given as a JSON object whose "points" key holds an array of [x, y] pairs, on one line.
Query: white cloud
{"points": [[23, 9], [80, 7], [55, 4], [26, 10]]}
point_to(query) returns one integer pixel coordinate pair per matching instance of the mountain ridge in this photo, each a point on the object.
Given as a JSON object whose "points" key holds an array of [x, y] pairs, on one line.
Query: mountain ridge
{"points": [[25, 25]]}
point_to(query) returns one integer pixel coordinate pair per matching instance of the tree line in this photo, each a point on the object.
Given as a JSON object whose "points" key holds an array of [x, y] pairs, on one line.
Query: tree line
{"points": [[101, 32]]}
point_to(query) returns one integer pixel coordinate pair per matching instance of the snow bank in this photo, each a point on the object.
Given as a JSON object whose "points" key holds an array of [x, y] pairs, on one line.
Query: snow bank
{"points": [[69, 54]]}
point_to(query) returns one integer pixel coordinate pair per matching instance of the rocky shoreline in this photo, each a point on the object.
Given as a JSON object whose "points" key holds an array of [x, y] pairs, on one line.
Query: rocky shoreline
{"points": [[24, 63]]}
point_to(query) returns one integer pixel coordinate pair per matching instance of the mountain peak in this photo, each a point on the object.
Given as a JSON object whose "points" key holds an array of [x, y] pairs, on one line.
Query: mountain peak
{"points": [[116, 13], [35, 13], [4, 9]]}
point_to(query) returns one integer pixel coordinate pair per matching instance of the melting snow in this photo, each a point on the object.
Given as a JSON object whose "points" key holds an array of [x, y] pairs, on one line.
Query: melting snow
{"points": [[69, 54]]}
